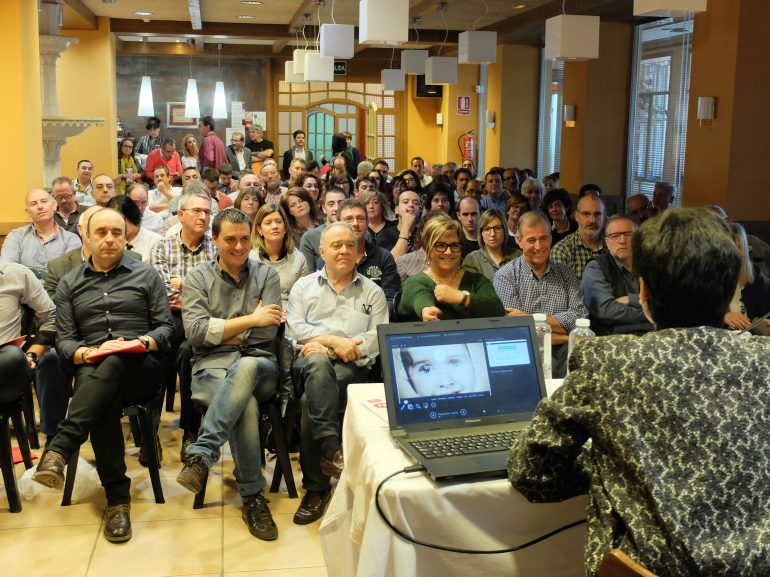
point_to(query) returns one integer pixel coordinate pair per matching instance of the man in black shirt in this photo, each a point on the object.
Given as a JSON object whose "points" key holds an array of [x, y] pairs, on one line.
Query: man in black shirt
{"points": [[261, 149], [109, 303]]}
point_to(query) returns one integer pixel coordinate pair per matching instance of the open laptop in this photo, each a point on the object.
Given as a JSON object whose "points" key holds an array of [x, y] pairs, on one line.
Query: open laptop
{"points": [[446, 380]]}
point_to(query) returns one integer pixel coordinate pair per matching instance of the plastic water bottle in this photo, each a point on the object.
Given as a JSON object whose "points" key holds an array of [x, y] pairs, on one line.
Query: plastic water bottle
{"points": [[543, 330], [579, 333]]}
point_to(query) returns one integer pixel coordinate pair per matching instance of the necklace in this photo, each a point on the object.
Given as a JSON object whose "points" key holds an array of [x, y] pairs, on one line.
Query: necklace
{"points": [[438, 280]]}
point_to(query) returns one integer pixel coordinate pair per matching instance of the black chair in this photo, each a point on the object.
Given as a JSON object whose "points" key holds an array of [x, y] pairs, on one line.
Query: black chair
{"points": [[28, 328], [143, 427], [12, 411]]}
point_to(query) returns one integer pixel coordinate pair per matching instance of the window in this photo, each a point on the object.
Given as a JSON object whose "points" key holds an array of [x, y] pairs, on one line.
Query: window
{"points": [[551, 100], [658, 122]]}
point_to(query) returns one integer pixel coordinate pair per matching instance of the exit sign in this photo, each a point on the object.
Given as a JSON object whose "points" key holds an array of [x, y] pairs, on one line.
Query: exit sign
{"points": [[340, 68]]}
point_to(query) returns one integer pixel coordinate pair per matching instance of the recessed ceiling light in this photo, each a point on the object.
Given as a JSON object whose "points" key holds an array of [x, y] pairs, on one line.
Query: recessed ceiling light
{"points": [[251, 2], [520, 6], [244, 16], [142, 13]]}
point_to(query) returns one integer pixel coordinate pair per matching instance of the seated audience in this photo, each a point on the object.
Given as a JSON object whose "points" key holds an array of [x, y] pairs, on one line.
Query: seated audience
{"points": [[585, 243], [462, 177], [261, 149], [610, 290], [68, 211], [314, 187], [102, 190], [238, 155], [493, 251], [166, 156], [151, 221], [475, 189], [514, 208], [89, 325], [751, 298], [662, 197], [408, 209], [227, 184], [301, 211], [494, 194], [163, 193], [383, 231], [34, 244], [190, 152], [412, 181], [138, 238], [416, 261], [533, 283], [152, 140], [468, 210], [397, 186], [128, 170], [510, 180], [343, 182], [440, 197], [232, 310], [558, 206], [82, 184], [533, 192], [210, 177], [595, 188], [417, 165], [297, 169], [310, 244], [469, 165], [638, 207], [363, 184], [248, 201], [333, 316], [444, 290], [676, 467], [550, 182]]}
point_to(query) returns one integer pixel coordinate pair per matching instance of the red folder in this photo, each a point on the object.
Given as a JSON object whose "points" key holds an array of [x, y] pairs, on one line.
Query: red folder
{"points": [[125, 350]]}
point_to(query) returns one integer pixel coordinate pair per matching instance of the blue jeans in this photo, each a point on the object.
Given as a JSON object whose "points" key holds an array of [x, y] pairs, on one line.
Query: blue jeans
{"points": [[325, 384], [52, 384], [233, 396]]}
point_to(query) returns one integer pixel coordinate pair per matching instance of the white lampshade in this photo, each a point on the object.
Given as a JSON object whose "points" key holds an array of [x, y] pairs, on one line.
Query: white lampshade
{"points": [[393, 79], [220, 107], [441, 70], [318, 68], [191, 107], [572, 37], [289, 75], [668, 8], [477, 47], [338, 41], [383, 22], [299, 61], [146, 106], [413, 61]]}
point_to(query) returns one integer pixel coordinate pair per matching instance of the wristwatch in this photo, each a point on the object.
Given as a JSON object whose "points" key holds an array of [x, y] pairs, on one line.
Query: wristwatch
{"points": [[466, 298], [33, 355], [145, 341]]}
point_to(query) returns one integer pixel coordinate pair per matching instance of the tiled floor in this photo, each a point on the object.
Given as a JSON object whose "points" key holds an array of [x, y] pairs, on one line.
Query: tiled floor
{"points": [[46, 539]]}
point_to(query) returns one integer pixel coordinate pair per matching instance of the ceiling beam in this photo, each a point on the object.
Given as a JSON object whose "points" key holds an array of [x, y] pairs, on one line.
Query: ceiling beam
{"points": [[200, 45], [183, 28], [279, 45], [84, 12], [182, 49], [194, 7]]}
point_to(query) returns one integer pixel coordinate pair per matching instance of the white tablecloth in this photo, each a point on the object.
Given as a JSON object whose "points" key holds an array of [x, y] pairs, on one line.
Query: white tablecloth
{"points": [[476, 515]]}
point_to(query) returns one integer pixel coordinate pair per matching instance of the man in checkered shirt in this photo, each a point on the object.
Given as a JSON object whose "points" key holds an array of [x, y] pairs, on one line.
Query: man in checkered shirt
{"points": [[586, 242], [533, 283]]}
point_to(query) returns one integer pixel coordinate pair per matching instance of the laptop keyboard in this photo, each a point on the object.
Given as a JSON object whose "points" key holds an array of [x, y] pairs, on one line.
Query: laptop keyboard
{"points": [[466, 445]]}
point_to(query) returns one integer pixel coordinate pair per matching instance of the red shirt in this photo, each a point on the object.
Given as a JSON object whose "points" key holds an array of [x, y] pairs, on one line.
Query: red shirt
{"points": [[155, 159], [212, 153]]}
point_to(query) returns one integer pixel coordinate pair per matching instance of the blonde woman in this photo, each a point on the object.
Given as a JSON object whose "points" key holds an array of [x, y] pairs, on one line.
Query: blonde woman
{"points": [[444, 290], [189, 154], [751, 298]]}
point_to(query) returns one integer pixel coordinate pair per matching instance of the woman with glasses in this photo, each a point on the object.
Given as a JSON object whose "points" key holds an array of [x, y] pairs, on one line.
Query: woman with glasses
{"points": [[343, 182], [128, 170], [558, 208], [493, 252], [444, 290], [189, 154]]}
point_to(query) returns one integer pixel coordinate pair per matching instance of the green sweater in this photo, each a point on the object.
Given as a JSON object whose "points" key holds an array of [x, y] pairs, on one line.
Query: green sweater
{"points": [[418, 294]]}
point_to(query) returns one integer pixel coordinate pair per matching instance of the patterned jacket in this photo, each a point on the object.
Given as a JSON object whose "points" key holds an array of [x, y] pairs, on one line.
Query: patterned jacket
{"points": [[678, 467]]}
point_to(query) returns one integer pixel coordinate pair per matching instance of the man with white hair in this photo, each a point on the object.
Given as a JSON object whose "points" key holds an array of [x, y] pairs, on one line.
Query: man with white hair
{"points": [[332, 315]]}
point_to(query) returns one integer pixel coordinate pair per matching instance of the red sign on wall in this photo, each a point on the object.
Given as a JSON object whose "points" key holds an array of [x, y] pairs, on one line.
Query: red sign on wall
{"points": [[463, 106]]}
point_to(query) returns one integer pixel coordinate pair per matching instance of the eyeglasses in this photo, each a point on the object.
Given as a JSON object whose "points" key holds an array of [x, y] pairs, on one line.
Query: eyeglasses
{"points": [[453, 246], [64, 196], [617, 235], [127, 146], [198, 211], [236, 140], [490, 229], [519, 206], [350, 219]]}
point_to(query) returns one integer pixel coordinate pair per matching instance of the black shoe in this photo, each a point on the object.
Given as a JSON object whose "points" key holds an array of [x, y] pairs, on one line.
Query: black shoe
{"points": [[117, 526], [256, 514], [312, 507], [333, 467], [187, 440], [194, 474], [144, 461], [50, 470]]}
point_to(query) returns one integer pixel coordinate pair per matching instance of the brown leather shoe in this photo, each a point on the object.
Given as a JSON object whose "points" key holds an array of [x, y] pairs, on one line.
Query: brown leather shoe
{"points": [[194, 473], [117, 525], [50, 470], [256, 514], [312, 506], [334, 467]]}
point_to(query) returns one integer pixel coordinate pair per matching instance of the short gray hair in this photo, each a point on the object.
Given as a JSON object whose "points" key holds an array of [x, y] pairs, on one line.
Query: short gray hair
{"points": [[334, 225], [189, 194]]}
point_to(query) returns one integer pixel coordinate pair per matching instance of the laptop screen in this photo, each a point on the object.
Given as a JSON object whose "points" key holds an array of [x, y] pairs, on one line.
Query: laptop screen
{"points": [[461, 373]]}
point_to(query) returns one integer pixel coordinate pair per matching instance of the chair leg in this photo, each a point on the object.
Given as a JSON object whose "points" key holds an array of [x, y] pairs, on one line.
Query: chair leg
{"points": [[136, 429], [147, 433], [282, 464], [69, 479], [29, 418], [21, 437], [6, 462], [170, 392]]}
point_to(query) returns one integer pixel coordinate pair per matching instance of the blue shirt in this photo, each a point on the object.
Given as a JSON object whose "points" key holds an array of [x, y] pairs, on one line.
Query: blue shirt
{"points": [[24, 246]]}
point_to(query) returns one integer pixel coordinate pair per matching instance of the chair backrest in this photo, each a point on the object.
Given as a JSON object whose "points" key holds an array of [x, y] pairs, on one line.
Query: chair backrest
{"points": [[618, 564]]}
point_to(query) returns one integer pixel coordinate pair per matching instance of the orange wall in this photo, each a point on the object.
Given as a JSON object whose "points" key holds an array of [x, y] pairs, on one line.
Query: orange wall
{"points": [[595, 149], [422, 136], [86, 88], [723, 162], [456, 125], [20, 101]]}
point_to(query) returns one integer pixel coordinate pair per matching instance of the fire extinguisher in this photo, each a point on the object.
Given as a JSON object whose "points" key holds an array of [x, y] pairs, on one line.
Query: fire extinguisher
{"points": [[466, 144]]}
